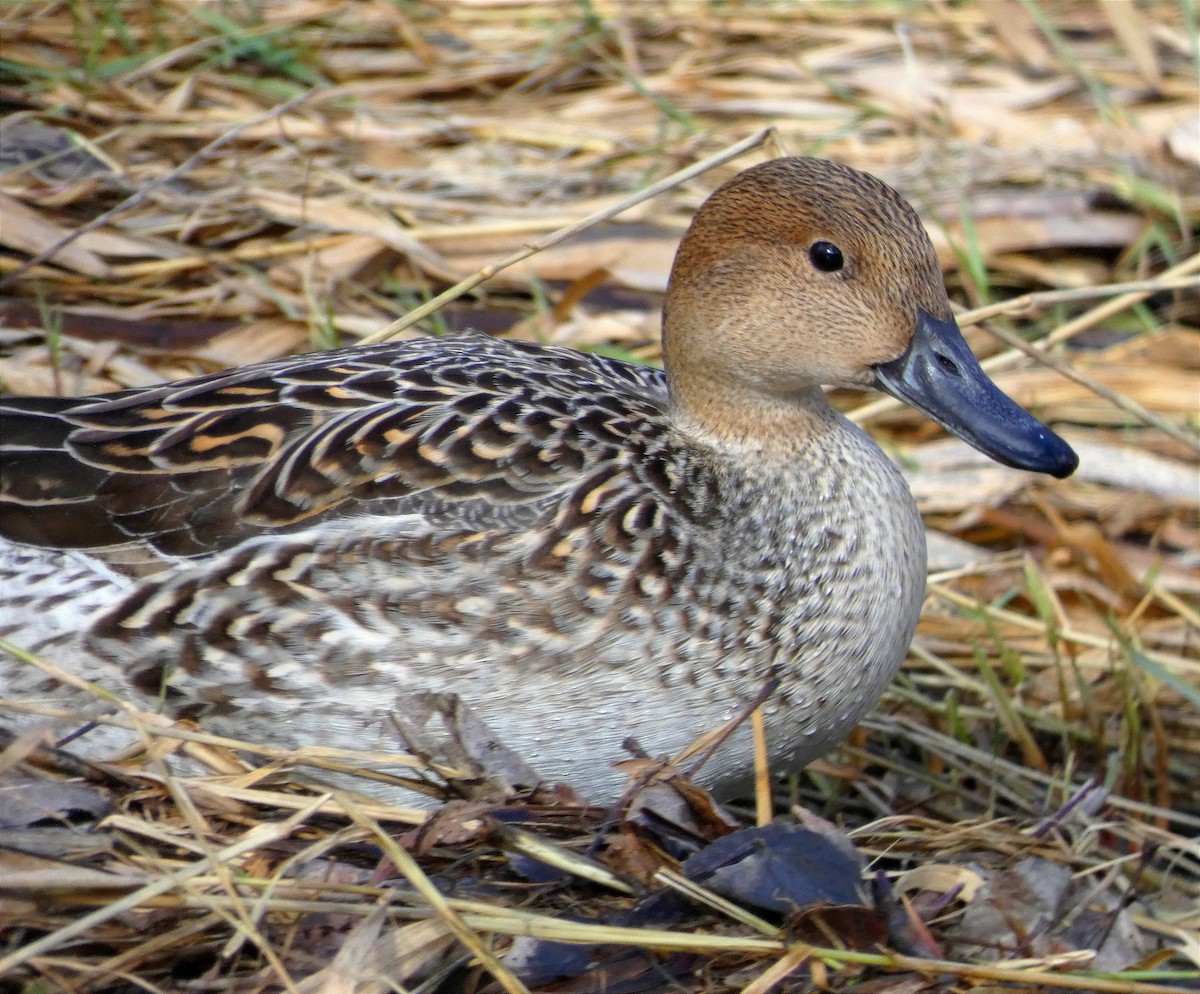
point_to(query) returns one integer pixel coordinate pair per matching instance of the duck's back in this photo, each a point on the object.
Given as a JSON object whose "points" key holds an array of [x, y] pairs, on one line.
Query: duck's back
{"points": [[463, 436], [186, 470]]}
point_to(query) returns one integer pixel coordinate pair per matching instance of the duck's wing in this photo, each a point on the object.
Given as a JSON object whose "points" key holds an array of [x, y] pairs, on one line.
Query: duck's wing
{"points": [[485, 430]]}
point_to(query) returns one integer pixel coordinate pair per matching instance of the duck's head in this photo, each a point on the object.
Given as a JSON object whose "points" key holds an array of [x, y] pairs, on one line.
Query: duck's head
{"points": [[802, 272]]}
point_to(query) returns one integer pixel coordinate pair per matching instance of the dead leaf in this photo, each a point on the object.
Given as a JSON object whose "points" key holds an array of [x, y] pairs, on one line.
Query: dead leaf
{"points": [[27, 231]]}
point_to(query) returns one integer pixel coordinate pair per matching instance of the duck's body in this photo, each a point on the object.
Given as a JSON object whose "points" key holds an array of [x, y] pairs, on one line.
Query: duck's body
{"points": [[578, 573], [580, 549]]}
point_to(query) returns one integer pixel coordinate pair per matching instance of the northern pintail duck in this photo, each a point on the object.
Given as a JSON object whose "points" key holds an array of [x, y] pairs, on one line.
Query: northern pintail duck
{"points": [[579, 548]]}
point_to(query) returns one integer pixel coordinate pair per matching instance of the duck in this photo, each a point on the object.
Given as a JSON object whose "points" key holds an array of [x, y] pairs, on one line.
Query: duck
{"points": [[575, 549]]}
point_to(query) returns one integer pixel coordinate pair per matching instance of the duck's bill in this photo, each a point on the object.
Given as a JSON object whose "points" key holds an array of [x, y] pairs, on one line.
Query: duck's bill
{"points": [[940, 377]]}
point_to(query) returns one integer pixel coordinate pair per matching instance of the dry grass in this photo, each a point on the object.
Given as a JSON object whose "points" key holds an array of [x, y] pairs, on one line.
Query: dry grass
{"points": [[242, 181]]}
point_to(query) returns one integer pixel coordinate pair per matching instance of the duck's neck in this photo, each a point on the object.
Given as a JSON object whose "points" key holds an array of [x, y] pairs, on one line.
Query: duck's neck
{"points": [[753, 425]]}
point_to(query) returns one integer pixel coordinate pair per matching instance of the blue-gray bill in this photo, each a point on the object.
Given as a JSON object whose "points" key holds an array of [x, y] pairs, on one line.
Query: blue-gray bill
{"points": [[940, 376]]}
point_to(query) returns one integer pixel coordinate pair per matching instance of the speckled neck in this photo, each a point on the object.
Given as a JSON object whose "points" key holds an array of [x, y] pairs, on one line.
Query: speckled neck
{"points": [[754, 426]]}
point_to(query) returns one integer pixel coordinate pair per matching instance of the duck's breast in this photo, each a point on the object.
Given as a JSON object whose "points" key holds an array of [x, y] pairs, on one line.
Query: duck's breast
{"points": [[822, 581]]}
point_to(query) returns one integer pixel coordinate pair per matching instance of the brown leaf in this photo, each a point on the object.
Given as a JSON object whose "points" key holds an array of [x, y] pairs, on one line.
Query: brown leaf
{"points": [[26, 230], [630, 853]]}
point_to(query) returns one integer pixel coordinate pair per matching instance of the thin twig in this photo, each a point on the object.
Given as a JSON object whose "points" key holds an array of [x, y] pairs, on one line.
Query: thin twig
{"points": [[562, 234], [405, 863], [1126, 404], [1029, 304]]}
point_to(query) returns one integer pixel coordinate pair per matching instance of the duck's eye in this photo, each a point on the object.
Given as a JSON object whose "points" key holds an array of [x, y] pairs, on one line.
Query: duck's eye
{"points": [[826, 256]]}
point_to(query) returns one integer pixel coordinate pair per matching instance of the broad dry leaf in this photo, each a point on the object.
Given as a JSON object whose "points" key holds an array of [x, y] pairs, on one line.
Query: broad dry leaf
{"points": [[25, 230], [1133, 28]]}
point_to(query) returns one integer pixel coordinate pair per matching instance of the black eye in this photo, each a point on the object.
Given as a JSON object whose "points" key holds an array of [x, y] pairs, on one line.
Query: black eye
{"points": [[826, 256]]}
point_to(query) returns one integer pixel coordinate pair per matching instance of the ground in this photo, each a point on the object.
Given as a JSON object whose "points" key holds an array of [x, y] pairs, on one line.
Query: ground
{"points": [[240, 181]]}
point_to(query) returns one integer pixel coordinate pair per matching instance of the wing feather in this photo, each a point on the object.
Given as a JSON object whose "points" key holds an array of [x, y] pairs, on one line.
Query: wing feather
{"points": [[189, 468]]}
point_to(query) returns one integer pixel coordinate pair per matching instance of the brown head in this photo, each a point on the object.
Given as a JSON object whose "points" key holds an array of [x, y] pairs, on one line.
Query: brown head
{"points": [[759, 295], [802, 272]]}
